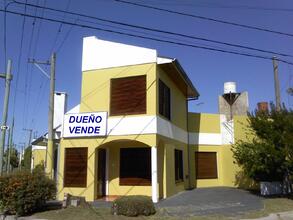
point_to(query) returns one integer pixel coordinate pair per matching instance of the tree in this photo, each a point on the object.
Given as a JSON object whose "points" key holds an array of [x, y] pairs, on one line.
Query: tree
{"points": [[269, 155], [14, 160]]}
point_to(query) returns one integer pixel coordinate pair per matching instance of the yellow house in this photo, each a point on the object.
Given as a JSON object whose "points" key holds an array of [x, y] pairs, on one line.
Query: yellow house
{"points": [[132, 133]]}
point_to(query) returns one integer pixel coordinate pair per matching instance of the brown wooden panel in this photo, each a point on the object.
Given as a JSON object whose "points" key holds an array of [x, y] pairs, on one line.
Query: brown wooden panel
{"points": [[164, 100], [128, 95], [206, 165], [178, 165], [132, 181], [75, 167]]}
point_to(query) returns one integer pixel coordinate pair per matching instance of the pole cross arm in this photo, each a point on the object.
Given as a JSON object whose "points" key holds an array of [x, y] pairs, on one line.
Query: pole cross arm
{"points": [[6, 76]]}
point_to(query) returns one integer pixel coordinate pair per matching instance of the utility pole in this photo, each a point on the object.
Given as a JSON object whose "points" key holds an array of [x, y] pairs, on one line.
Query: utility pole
{"points": [[8, 78], [20, 154], [51, 135], [50, 145], [10, 145], [277, 84]]}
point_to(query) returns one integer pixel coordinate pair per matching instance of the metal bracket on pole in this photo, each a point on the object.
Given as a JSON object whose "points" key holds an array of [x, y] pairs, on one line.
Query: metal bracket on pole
{"points": [[36, 63]]}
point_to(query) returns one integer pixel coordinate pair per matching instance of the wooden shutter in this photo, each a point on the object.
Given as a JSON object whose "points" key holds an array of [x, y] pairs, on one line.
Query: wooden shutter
{"points": [[128, 95], [75, 167], [206, 165], [178, 165], [164, 100]]}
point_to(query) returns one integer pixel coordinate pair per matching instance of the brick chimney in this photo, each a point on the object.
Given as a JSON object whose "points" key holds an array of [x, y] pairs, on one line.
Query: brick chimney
{"points": [[263, 106]]}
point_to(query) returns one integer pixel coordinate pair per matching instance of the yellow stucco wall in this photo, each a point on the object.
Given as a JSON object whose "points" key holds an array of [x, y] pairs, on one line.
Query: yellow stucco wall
{"points": [[228, 171], [178, 101], [113, 143], [39, 157], [95, 92], [203, 123]]}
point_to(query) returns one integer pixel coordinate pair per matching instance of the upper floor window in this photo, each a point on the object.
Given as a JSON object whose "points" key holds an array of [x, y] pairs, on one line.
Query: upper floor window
{"points": [[128, 95], [164, 100]]}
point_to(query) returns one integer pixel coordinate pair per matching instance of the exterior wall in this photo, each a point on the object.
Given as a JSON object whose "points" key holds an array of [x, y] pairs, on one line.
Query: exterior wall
{"points": [[229, 174], [95, 93], [39, 157], [90, 192], [178, 114], [239, 107], [167, 147]]}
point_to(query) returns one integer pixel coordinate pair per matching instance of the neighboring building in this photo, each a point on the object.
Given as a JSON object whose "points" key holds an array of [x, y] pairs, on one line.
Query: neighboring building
{"points": [[132, 133]]}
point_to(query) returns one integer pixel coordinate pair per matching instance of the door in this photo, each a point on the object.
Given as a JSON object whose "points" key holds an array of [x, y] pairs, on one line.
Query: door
{"points": [[102, 172]]}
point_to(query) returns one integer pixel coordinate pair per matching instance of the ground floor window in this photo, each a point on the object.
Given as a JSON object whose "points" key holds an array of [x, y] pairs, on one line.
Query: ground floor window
{"points": [[135, 166], [75, 167], [178, 165], [206, 165]]}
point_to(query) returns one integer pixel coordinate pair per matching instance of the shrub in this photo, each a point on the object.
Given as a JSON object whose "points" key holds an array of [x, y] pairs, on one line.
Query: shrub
{"points": [[133, 206], [23, 192]]}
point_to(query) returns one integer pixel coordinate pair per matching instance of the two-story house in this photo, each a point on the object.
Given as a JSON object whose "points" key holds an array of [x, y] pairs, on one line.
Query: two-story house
{"points": [[144, 149], [132, 133]]}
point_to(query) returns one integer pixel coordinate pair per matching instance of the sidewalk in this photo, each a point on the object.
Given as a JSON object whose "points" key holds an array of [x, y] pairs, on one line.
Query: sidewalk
{"points": [[276, 216]]}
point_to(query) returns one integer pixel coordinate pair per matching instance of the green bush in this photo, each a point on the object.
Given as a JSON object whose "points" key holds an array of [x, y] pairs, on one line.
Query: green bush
{"points": [[23, 192], [133, 206]]}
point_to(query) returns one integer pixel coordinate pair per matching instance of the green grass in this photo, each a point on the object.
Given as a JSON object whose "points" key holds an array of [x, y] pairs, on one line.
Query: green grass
{"points": [[90, 213]]}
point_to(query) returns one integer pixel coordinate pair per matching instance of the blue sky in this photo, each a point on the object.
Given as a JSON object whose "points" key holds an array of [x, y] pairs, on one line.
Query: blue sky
{"points": [[207, 70]]}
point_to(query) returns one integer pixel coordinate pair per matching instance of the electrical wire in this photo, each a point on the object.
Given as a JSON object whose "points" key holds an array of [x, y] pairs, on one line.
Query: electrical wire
{"points": [[162, 31], [149, 38], [60, 26], [206, 18]]}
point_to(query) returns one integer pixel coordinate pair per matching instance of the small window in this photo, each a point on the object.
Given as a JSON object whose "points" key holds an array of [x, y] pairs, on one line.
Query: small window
{"points": [[75, 167], [128, 95], [178, 166], [164, 100], [135, 167], [206, 165]]}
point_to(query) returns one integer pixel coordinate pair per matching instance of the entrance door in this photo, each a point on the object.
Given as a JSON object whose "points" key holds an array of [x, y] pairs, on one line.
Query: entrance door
{"points": [[102, 172]]}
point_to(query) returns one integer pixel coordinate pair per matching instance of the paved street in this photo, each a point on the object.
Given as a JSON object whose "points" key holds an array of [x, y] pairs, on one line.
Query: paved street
{"points": [[216, 200]]}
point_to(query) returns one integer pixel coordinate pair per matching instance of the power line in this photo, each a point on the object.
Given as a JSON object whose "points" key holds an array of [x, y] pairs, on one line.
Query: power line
{"points": [[60, 26], [207, 18], [28, 74], [148, 38], [160, 31], [217, 5], [19, 62]]}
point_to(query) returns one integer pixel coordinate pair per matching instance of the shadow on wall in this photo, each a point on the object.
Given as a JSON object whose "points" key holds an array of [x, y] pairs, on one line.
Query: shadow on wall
{"points": [[244, 182]]}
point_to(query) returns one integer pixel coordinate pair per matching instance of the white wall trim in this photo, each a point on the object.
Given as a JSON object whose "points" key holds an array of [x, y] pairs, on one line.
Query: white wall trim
{"points": [[167, 129], [100, 54], [37, 147], [152, 124], [205, 139], [129, 125], [155, 195]]}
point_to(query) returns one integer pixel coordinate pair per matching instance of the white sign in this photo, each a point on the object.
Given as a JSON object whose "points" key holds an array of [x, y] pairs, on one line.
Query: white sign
{"points": [[85, 124], [3, 127]]}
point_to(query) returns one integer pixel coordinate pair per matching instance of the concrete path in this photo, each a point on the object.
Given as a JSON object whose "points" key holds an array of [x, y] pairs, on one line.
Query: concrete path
{"points": [[207, 201], [276, 216]]}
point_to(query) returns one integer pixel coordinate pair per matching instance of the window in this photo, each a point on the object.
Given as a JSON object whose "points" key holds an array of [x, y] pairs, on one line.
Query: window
{"points": [[135, 166], [164, 100], [75, 167], [178, 166], [128, 95], [206, 165]]}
